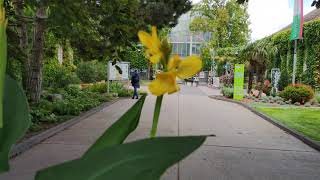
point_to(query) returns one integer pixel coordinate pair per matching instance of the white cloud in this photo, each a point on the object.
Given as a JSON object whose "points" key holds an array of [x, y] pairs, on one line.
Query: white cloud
{"points": [[195, 1], [270, 16]]}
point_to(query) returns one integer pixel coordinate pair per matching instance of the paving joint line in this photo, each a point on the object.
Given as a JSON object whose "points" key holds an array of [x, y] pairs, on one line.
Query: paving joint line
{"points": [[253, 148], [46, 134]]}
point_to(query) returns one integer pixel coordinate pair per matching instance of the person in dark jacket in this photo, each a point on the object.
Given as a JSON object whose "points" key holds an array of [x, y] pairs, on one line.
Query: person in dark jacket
{"points": [[135, 81]]}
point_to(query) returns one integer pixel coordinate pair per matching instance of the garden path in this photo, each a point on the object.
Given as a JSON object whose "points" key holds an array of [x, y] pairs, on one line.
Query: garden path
{"points": [[245, 147]]}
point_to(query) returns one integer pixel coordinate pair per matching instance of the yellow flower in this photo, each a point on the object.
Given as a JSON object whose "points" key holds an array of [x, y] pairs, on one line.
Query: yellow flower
{"points": [[165, 82], [152, 43]]}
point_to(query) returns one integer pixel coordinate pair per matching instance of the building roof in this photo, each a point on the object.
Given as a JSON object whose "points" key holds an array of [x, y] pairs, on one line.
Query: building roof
{"points": [[313, 15]]}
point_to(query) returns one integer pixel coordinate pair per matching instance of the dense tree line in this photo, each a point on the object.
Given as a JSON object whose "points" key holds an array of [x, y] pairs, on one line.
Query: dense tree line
{"points": [[95, 29]]}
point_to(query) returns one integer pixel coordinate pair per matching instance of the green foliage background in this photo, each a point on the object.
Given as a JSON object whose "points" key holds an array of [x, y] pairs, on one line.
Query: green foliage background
{"points": [[308, 61]]}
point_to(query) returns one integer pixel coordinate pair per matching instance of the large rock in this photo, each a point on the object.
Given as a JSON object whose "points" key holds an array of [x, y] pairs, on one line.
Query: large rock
{"points": [[308, 104], [297, 104], [55, 97], [255, 93]]}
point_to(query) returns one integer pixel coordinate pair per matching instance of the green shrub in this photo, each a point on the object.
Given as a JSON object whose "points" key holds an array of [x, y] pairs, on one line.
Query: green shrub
{"points": [[91, 71], [297, 93], [58, 76], [68, 107], [73, 91], [284, 79], [99, 88], [227, 92], [318, 98], [42, 112], [120, 89]]}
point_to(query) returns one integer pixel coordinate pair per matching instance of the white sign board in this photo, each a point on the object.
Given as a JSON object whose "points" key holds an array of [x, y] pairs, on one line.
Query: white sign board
{"points": [[114, 74], [275, 78]]}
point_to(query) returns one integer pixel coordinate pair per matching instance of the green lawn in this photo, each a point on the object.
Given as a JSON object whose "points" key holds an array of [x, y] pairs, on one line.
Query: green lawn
{"points": [[303, 120]]}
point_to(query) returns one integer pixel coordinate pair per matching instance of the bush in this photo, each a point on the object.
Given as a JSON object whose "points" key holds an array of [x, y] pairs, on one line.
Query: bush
{"points": [[284, 79], [58, 76], [266, 88], [92, 71], [99, 88], [227, 80], [42, 112], [120, 89], [76, 101], [227, 92], [318, 98], [297, 93], [73, 103]]}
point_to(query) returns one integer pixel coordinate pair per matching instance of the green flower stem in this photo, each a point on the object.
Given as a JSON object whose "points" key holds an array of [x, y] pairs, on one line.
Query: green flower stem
{"points": [[3, 57], [156, 115]]}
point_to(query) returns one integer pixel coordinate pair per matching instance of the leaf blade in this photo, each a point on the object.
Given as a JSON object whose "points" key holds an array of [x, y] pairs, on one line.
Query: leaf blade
{"points": [[120, 130], [16, 120], [141, 160]]}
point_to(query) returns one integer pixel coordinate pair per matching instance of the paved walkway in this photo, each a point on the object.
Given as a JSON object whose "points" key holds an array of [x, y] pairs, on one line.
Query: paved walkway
{"points": [[246, 147]]}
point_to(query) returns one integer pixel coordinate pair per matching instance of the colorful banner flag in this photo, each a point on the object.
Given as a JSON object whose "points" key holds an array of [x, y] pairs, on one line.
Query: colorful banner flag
{"points": [[307, 3], [297, 25]]}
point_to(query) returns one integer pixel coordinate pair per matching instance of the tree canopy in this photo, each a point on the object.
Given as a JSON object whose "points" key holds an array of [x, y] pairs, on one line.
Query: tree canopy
{"points": [[95, 29], [227, 21]]}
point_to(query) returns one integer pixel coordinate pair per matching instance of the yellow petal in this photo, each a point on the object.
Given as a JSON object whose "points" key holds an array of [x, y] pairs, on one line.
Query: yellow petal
{"points": [[145, 39], [189, 67], [154, 33], [174, 62], [2, 15], [164, 83], [155, 58]]}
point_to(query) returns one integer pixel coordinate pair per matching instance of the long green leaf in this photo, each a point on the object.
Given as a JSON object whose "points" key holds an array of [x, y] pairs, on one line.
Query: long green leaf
{"points": [[16, 120], [120, 130], [3, 56], [141, 160]]}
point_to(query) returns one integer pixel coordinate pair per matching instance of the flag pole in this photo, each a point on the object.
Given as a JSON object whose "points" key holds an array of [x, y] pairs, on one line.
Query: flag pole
{"points": [[295, 61]]}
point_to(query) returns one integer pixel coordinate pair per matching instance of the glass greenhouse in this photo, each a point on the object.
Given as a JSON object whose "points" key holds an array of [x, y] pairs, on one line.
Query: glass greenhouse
{"points": [[185, 42]]}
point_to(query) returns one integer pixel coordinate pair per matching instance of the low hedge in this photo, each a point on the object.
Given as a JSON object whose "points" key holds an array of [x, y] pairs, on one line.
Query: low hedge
{"points": [[227, 92]]}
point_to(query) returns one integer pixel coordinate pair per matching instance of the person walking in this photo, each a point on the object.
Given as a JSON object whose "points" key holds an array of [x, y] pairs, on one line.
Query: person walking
{"points": [[135, 81], [196, 81]]}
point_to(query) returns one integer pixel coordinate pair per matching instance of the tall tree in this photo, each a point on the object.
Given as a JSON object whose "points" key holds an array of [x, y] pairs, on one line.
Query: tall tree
{"points": [[164, 13], [226, 20]]}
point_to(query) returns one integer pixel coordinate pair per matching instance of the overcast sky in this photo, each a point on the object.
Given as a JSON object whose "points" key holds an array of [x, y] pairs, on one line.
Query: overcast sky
{"points": [[270, 16]]}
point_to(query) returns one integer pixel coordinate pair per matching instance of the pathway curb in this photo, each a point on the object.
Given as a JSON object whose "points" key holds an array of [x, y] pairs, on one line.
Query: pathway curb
{"points": [[314, 144], [37, 139]]}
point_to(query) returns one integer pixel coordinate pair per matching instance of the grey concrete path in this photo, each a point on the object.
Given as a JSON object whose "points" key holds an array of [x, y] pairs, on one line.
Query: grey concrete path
{"points": [[246, 147]]}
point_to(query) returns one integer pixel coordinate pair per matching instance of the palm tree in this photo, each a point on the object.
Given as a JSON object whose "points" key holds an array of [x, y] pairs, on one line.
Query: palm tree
{"points": [[259, 55]]}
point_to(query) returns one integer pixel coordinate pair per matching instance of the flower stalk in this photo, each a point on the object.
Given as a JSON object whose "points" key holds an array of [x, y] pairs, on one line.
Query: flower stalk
{"points": [[156, 116], [172, 67], [3, 56]]}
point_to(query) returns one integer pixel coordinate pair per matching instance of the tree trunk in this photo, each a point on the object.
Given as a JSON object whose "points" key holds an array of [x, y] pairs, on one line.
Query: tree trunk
{"points": [[35, 77], [250, 81], [22, 29], [260, 74]]}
